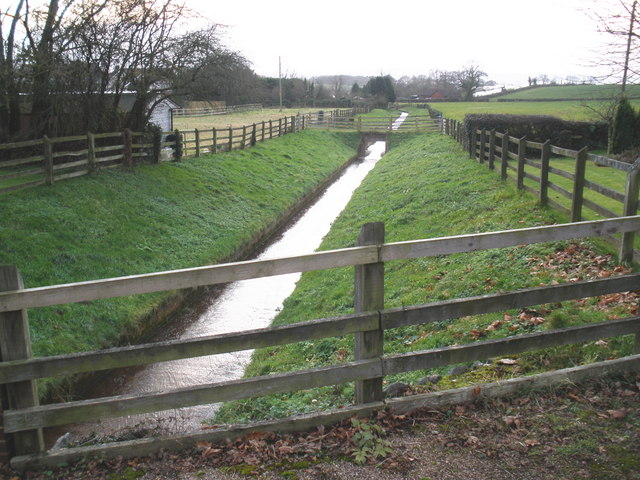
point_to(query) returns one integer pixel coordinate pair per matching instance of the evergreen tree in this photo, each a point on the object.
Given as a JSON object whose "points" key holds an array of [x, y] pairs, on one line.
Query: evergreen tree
{"points": [[624, 134]]}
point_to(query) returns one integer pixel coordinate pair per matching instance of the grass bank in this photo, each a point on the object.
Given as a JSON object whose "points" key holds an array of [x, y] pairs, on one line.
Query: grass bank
{"points": [[574, 110], [432, 189], [152, 218]]}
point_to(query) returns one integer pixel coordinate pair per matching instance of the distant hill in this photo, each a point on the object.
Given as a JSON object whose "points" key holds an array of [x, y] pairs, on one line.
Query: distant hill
{"points": [[568, 92]]}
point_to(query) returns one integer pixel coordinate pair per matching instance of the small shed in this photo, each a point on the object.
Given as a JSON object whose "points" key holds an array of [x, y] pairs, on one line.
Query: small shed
{"points": [[162, 114]]}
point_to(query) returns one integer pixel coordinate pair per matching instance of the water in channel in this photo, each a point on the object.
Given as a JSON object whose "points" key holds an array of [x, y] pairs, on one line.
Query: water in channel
{"points": [[242, 305]]}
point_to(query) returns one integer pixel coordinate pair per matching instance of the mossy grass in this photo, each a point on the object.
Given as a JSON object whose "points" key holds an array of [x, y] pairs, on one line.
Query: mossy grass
{"points": [[151, 218], [430, 189]]}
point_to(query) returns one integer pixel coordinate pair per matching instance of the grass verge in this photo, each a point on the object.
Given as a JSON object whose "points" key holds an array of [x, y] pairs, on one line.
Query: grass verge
{"points": [[151, 218], [432, 189]]}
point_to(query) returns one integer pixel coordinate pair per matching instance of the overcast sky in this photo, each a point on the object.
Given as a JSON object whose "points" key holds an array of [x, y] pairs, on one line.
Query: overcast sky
{"points": [[509, 39]]}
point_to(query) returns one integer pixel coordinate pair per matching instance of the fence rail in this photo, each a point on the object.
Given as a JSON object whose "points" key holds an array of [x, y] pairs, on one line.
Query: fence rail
{"points": [[24, 418], [514, 155], [206, 111]]}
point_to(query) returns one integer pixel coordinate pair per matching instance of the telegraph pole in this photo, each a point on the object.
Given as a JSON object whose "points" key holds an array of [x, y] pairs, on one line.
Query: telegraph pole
{"points": [[280, 79]]}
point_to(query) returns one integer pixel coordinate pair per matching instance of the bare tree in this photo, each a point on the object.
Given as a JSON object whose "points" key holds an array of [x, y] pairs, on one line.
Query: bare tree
{"points": [[470, 81], [622, 54], [338, 81], [9, 82]]}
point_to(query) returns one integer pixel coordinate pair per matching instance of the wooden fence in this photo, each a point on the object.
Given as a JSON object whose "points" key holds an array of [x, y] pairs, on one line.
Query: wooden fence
{"points": [[206, 111], [24, 419], [530, 166], [415, 123], [46, 161]]}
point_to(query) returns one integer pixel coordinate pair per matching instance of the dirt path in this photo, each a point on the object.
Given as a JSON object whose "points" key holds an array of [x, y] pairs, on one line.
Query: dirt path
{"points": [[588, 431]]}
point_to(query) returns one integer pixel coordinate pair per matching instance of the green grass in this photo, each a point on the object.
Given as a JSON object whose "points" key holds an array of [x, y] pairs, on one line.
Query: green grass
{"points": [[430, 189], [578, 110], [237, 119], [152, 218], [570, 92]]}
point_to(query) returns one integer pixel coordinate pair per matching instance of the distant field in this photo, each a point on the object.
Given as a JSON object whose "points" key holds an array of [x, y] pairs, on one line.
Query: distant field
{"points": [[571, 92], [577, 110], [237, 119]]}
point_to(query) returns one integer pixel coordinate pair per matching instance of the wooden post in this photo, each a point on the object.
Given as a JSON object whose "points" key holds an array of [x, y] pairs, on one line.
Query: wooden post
{"points": [[253, 135], [492, 149], [545, 154], [91, 152], [522, 142], [473, 146], [230, 138], [178, 151], [262, 136], [369, 297], [280, 127], [127, 140], [483, 140], [214, 140], [630, 208], [578, 186], [197, 132], [15, 344], [244, 136], [504, 160], [48, 159], [303, 122], [270, 129]]}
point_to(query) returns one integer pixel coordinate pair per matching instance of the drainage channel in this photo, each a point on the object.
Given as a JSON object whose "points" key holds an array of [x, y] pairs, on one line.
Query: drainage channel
{"points": [[243, 305]]}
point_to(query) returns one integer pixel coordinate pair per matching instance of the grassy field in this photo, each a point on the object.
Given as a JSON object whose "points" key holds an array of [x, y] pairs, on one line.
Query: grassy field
{"points": [[578, 110], [151, 218], [571, 92], [432, 189], [237, 119]]}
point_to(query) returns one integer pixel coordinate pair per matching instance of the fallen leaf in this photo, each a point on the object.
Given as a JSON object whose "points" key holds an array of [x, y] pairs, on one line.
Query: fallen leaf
{"points": [[507, 361], [475, 393], [532, 442], [617, 414]]}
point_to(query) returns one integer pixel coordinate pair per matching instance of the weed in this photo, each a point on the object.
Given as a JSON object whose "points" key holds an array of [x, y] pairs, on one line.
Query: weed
{"points": [[368, 442]]}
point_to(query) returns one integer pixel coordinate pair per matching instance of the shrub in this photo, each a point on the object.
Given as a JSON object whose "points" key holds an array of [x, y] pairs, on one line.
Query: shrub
{"points": [[624, 132]]}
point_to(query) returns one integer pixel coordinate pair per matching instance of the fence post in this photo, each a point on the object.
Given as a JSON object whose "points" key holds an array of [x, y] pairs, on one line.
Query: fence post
{"points": [[178, 151], [15, 344], [91, 151], [280, 127], [127, 146], [504, 160], [262, 136], [545, 154], [244, 136], [197, 133], [472, 146], [630, 207], [492, 149], [214, 140], [270, 129], [369, 297], [230, 138], [48, 159], [522, 142], [253, 135], [578, 185], [483, 141]]}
